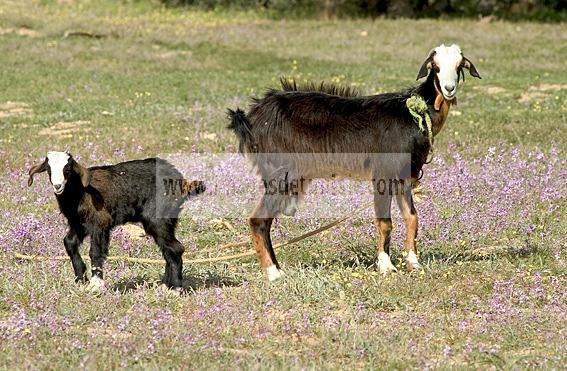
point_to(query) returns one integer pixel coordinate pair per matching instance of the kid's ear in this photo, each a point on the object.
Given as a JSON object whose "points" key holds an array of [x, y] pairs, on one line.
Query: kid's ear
{"points": [[37, 169]]}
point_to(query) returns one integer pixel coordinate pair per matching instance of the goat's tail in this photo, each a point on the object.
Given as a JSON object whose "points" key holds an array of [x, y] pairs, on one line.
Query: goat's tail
{"points": [[191, 188], [241, 126]]}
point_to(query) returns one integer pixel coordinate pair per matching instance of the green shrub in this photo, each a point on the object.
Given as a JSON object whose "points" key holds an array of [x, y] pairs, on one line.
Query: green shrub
{"points": [[543, 10]]}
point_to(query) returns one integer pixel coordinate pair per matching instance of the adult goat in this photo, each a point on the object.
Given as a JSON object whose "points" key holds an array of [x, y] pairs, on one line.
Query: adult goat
{"points": [[302, 133]]}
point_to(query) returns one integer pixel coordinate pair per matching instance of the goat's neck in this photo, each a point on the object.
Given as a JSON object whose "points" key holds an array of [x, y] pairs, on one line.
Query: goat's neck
{"points": [[437, 104], [441, 108], [70, 198]]}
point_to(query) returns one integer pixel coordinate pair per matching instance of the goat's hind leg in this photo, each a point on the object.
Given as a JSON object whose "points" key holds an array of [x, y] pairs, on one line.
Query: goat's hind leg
{"points": [[172, 251], [72, 242], [260, 223], [283, 192], [383, 220], [405, 203]]}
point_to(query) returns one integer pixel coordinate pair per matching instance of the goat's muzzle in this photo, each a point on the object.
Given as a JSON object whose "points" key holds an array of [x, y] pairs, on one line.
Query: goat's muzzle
{"points": [[58, 189]]}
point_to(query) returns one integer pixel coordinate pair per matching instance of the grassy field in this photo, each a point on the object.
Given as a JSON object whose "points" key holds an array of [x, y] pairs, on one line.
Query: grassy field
{"points": [[157, 81]]}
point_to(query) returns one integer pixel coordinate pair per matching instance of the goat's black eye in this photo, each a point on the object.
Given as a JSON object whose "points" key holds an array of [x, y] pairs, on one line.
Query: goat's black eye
{"points": [[67, 170]]}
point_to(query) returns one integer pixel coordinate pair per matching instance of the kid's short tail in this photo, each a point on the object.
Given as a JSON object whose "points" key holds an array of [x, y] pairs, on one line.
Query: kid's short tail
{"points": [[192, 188]]}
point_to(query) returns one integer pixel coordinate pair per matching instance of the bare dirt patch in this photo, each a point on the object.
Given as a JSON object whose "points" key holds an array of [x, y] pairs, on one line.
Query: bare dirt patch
{"points": [[530, 96], [550, 87], [64, 129], [174, 54], [540, 92], [22, 31], [12, 109], [133, 231], [209, 136], [491, 90]]}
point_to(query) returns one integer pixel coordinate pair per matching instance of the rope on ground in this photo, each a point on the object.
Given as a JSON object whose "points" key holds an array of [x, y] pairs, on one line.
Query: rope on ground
{"points": [[208, 260], [74, 33]]}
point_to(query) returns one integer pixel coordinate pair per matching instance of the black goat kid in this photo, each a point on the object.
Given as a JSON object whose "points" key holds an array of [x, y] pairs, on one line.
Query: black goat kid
{"points": [[303, 133], [97, 199]]}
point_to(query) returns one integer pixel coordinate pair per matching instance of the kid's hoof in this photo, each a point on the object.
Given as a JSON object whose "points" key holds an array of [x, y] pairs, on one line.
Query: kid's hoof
{"points": [[385, 265], [96, 285]]}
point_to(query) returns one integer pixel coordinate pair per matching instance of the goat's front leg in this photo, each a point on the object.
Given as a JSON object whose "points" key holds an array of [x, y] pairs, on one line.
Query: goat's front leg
{"points": [[72, 242], [172, 251], [99, 250], [260, 224], [405, 203], [383, 220]]}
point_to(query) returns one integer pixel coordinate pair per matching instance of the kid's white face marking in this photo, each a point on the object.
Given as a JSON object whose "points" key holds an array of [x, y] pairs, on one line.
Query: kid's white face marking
{"points": [[273, 273], [448, 59], [57, 161], [385, 265]]}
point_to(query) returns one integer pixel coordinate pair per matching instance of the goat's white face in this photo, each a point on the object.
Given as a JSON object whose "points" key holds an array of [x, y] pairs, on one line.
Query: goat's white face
{"points": [[447, 60], [57, 162]]}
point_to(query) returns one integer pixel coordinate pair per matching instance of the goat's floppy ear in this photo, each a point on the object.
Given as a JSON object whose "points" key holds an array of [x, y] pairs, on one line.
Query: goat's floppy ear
{"points": [[96, 197], [426, 65], [36, 169], [83, 173], [472, 69]]}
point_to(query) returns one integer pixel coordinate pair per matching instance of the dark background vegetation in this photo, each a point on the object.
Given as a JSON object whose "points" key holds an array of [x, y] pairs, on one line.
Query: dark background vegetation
{"points": [[540, 10]]}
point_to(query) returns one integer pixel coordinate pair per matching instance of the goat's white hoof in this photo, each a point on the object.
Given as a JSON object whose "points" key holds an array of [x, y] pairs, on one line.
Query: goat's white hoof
{"points": [[385, 265], [163, 288], [96, 285], [274, 273], [412, 263]]}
